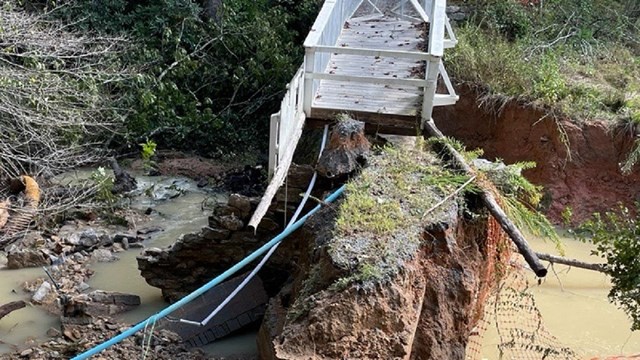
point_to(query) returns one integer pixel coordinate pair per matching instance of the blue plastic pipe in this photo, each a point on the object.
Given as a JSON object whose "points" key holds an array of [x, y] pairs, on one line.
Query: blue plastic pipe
{"points": [[220, 278]]}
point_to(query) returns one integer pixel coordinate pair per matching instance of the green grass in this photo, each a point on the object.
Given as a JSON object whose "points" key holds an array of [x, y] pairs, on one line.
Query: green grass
{"points": [[380, 222], [514, 52]]}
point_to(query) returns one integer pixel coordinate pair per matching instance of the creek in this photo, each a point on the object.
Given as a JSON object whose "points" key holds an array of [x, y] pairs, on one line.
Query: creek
{"points": [[573, 303], [175, 216], [574, 307]]}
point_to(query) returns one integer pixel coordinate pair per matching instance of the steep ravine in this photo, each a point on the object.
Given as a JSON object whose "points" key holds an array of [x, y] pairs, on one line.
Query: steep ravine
{"points": [[587, 181]]}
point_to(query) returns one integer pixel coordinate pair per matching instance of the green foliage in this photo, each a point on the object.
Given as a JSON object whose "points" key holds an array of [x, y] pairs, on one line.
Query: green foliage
{"points": [[578, 56], [148, 151], [521, 198], [379, 223], [567, 216], [615, 236], [104, 186], [632, 159], [204, 84]]}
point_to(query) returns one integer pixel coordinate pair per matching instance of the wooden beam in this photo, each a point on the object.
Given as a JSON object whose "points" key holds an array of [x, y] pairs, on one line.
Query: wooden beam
{"points": [[281, 173], [399, 127], [492, 205], [412, 55], [436, 30], [420, 10], [369, 117], [313, 38], [366, 79]]}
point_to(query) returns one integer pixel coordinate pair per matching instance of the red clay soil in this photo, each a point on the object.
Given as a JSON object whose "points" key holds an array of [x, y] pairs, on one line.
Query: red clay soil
{"points": [[590, 182], [425, 312]]}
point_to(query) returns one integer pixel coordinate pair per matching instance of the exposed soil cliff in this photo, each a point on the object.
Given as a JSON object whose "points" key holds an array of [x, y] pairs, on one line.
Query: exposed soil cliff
{"points": [[412, 293], [587, 181]]}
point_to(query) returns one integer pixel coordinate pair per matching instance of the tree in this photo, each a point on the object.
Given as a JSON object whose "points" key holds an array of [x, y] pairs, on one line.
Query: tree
{"points": [[55, 106], [616, 236]]}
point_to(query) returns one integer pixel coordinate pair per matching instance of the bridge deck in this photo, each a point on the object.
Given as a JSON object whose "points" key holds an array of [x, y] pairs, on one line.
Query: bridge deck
{"points": [[380, 32]]}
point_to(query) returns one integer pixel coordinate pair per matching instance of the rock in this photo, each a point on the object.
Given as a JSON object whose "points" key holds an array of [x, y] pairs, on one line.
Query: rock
{"points": [[124, 182], [149, 230], [240, 202], [136, 245], [3, 259], [117, 248], [25, 258], [459, 16], [103, 255], [42, 292], [52, 332], [26, 353], [125, 243], [100, 303], [230, 222], [165, 192], [83, 286], [106, 240], [215, 233], [452, 9]]}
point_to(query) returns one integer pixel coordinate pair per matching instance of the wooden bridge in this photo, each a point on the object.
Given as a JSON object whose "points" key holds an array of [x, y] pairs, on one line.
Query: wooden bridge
{"points": [[378, 60]]}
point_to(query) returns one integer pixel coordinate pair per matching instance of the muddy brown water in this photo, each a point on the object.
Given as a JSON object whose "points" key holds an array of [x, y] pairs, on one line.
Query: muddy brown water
{"points": [[574, 307], [574, 303]]}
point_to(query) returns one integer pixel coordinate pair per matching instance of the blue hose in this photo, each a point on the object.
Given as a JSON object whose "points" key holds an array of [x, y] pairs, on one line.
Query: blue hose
{"points": [[220, 278]]}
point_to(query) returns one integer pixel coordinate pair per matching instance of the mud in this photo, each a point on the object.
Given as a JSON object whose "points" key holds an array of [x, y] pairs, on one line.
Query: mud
{"points": [[587, 178]]}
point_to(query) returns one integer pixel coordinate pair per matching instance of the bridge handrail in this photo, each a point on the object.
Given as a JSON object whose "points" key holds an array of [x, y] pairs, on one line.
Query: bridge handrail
{"points": [[283, 123]]}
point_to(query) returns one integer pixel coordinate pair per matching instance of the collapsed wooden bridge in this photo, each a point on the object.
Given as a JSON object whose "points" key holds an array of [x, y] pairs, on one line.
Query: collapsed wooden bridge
{"points": [[378, 61]]}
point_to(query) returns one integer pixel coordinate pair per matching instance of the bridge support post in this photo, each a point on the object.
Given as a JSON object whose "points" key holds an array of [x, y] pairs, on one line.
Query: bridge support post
{"points": [[274, 143], [309, 88], [431, 75]]}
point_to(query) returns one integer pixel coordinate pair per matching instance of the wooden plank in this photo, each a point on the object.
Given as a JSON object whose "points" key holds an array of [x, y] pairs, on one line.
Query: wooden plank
{"points": [[372, 128], [420, 10], [401, 123], [309, 86], [367, 79], [273, 143], [431, 75], [280, 173], [442, 100], [412, 55], [436, 30], [491, 204], [322, 19], [451, 39], [447, 81]]}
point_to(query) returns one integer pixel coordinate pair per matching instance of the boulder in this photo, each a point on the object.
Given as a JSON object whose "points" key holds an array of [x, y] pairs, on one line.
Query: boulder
{"points": [[26, 258]]}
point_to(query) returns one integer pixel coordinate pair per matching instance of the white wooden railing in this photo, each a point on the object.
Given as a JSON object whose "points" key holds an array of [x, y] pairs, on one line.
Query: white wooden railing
{"points": [[324, 32], [321, 43], [287, 123]]}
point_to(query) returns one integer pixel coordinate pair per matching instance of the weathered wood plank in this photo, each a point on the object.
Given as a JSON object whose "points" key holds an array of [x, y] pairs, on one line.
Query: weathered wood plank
{"points": [[367, 73]]}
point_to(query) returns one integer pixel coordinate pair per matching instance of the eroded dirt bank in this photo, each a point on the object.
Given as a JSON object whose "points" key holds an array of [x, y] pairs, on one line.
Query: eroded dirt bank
{"points": [[412, 291], [587, 181]]}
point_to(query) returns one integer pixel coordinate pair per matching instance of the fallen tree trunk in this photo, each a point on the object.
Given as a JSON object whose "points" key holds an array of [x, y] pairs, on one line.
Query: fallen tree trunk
{"points": [[571, 262], [7, 309], [492, 205]]}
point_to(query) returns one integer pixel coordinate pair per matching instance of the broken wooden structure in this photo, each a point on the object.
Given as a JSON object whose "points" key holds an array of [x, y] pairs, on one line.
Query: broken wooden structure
{"points": [[380, 62]]}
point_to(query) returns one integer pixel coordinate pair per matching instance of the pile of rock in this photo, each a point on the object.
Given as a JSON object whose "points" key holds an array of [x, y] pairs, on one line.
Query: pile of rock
{"points": [[198, 257], [73, 339]]}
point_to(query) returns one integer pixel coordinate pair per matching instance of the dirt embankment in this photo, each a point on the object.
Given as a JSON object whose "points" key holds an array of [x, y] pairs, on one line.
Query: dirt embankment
{"points": [[587, 181]]}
